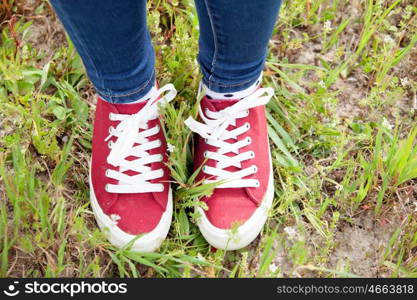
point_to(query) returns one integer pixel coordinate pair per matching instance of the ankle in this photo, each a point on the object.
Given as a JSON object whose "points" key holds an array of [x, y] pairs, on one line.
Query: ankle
{"points": [[237, 93]]}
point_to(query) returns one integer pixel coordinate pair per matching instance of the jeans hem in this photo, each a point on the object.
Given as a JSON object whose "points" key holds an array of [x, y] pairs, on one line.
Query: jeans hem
{"points": [[220, 87], [130, 95]]}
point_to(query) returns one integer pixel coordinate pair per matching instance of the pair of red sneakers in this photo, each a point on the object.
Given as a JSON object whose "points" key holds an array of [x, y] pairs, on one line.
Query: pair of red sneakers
{"points": [[130, 188]]}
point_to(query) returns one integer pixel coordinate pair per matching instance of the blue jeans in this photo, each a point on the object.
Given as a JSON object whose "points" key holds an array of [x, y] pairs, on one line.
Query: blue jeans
{"points": [[114, 43]]}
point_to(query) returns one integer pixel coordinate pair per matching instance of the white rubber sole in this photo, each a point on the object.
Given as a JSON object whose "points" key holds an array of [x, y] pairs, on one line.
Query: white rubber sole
{"points": [[147, 242], [235, 239]]}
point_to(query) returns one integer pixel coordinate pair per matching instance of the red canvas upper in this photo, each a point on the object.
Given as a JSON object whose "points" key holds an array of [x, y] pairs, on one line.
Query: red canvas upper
{"points": [[228, 206], [139, 213]]}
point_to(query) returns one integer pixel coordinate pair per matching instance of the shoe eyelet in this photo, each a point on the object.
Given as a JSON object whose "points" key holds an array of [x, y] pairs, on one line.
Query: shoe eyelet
{"points": [[255, 169], [159, 143], [249, 140], [111, 129], [205, 154], [247, 112], [257, 183], [110, 144], [252, 154], [111, 116], [204, 169], [106, 173], [106, 188], [247, 125]]}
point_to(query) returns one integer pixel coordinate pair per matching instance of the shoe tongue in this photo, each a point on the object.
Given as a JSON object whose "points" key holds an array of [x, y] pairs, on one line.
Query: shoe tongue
{"points": [[218, 104], [129, 108]]}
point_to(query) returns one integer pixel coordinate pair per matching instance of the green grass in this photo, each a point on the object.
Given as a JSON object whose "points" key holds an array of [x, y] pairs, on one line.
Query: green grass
{"points": [[341, 126]]}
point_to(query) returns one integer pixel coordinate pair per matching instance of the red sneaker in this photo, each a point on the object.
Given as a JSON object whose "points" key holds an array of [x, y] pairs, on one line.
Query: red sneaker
{"points": [[233, 146], [129, 182]]}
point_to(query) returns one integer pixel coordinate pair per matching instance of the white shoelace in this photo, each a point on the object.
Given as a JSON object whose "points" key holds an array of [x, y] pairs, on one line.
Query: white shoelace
{"points": [[127, 133], [214, 130]]}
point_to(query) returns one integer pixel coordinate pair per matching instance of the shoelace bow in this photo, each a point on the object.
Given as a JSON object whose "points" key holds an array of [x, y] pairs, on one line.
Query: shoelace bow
{"points": [[132, 143], [214, 130]]}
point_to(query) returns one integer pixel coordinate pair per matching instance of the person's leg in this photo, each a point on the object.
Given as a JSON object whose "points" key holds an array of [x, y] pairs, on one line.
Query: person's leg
{"points": [[234, 36], [113, 41], [232, 148], [130, 190]]}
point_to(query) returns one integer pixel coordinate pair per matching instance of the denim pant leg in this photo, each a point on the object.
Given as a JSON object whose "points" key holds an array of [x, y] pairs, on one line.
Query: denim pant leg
{"points": [[114, 43], [234, 36]]}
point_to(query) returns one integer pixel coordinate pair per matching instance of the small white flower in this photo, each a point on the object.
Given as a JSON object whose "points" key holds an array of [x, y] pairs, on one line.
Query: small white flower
{"points": [[387, 124], [415, 204], [388, 39], [322, 84], [405, 82], [171, 148], [292, 233], [273, 267], [327, 26]]}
